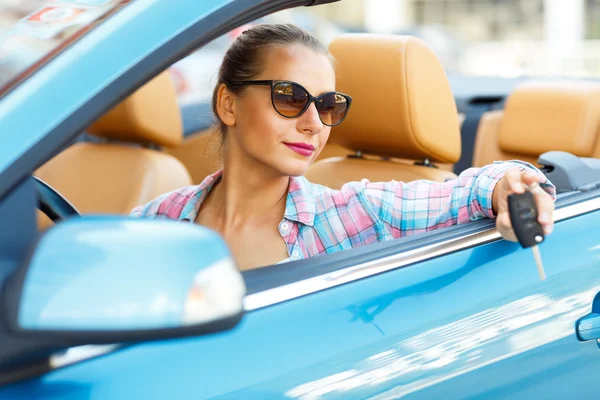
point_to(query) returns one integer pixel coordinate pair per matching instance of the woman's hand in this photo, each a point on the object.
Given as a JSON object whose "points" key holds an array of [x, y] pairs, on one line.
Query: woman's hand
{"points": [[516, 181]]}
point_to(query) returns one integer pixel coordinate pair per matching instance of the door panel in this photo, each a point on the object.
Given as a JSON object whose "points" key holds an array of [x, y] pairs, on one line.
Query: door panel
{"points": [[478, 322]]}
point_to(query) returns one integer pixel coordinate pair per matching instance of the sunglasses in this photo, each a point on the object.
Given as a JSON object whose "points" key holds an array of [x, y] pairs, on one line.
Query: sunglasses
{"points": [[291, 100]]}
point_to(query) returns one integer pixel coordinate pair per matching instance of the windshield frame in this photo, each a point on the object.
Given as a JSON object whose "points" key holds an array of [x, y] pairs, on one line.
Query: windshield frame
{"points": [[45, 57]]}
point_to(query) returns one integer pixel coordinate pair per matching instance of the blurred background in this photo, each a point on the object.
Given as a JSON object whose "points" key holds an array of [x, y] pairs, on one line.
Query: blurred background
{"points": [[485, 38], [503, 39]]}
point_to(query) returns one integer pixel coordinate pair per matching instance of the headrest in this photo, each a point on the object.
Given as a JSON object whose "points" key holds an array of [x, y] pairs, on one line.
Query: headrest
{"points": [[551, 115], [149, 116], [402, 104]]}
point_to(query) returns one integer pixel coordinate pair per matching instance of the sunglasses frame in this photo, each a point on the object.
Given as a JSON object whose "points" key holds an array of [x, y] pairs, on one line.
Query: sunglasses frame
{"points": [[311, 98]]}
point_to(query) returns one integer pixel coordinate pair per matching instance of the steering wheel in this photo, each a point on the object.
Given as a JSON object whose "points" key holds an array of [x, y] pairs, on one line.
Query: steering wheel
{"points": [[52, 203]]}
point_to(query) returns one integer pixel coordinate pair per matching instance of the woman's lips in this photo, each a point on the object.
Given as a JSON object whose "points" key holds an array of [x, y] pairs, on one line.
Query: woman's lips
{"points": [[301, 148]]}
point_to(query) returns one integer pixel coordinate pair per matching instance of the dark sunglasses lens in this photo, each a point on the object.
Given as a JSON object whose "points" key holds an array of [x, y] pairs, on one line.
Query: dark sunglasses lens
{"points": [[332, 108], [289, 99]]}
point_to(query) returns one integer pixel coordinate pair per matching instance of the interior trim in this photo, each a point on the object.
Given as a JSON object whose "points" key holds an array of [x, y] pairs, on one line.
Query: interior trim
{"points": [[315, 284]]}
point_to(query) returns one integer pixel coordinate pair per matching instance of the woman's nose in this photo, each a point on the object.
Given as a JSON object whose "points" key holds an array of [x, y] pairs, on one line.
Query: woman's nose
{"points": [[309, 122]]}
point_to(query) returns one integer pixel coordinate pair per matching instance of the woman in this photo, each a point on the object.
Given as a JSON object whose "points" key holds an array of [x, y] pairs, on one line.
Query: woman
{"points": [[273, 129]]}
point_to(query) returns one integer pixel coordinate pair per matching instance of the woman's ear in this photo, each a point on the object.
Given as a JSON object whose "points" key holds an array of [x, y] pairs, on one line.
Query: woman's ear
{"points": [[226, 105]]}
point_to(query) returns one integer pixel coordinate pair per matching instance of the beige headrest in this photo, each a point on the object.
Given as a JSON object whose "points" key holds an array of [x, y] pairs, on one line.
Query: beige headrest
{"points": [[551, 115], [402, 103], [149, 116]]}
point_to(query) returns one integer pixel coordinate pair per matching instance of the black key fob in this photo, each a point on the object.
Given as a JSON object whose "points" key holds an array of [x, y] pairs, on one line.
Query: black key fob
{"points": [[523, 217]]}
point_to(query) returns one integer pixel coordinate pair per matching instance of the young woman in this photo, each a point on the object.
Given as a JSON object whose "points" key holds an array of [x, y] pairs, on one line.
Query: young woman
{"points": [[275, 102]]}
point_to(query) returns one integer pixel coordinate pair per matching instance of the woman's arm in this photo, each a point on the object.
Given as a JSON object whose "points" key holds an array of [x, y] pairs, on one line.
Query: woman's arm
{"points": [[419, 206]]}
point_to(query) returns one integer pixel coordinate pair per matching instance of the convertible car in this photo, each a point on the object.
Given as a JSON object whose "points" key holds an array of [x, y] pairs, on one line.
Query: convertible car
{"points": [[97, 305]]}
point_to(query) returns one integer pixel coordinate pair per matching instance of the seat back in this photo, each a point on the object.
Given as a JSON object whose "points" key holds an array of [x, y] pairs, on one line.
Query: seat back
{"points": [[403, 118], [200, 153], [115, 176], [486, 149], [541, 116], [335, 150]]}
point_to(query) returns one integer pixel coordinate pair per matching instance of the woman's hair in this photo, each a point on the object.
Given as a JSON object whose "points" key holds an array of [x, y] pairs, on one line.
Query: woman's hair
{"points": [[244, 59]]}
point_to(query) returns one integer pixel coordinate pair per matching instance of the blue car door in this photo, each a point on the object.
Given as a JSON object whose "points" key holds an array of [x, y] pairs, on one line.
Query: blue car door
{"points": [[472, 320], [477, 323]]}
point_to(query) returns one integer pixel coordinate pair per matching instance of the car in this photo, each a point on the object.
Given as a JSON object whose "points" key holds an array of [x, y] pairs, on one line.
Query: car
{"points": [[111, 307]]}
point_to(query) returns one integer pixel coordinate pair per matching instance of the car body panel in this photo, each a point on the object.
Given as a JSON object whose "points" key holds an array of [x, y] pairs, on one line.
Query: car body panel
{"points": [[477, 322]]}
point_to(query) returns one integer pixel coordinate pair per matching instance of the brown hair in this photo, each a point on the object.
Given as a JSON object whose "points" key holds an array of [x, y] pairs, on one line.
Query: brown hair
{"points": [[244, 59]]}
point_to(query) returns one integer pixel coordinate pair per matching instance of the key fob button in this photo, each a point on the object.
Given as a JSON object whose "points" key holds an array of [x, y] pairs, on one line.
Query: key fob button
{"points": [[526, 215]]}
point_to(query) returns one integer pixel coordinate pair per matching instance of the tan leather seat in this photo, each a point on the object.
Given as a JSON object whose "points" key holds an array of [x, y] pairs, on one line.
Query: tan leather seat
{"points": [[115, 177], [403, 112], [335, 150], [200, 153], [541, 116]]}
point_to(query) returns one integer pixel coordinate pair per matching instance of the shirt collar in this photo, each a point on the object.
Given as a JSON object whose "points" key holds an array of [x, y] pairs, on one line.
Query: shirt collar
{"points": [[299, 205], [190, 211]]}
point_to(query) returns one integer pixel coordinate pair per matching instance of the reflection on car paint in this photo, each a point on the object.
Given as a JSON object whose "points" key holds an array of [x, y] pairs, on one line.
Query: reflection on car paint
{"points": [[515, 327]]}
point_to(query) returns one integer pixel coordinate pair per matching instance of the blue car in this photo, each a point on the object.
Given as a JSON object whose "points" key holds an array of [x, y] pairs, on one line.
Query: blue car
{"points": [[103, 306]]}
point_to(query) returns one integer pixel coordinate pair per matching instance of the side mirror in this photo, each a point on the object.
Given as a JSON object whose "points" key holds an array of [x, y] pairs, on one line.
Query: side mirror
{"points": [[94, 280]]}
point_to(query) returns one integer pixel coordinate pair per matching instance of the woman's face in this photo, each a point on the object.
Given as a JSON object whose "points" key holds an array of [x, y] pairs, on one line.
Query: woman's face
{"points": [[266, 137]]}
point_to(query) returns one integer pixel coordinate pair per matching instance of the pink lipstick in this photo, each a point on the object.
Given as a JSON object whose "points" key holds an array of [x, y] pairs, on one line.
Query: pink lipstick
{"points": [[303, 149]]}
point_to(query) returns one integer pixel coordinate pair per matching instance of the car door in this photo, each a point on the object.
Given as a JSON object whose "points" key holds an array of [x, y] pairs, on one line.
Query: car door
{"points": [[475, 323], [462, 316]]}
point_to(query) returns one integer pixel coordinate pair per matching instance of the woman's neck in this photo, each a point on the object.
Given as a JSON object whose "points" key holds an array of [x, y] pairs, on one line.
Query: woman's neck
{"points": [[248, 192]]}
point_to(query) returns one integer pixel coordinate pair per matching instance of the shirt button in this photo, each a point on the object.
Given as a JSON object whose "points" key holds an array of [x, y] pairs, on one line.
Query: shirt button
{"points": [[295, 254], [285, 226]]}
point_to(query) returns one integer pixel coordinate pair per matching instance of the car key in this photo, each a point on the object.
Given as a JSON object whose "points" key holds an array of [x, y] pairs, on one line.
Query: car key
{"points": [[523, 217]]}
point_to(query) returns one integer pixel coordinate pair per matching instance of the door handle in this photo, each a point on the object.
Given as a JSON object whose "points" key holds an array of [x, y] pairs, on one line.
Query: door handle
{"points": [[588, 327]]}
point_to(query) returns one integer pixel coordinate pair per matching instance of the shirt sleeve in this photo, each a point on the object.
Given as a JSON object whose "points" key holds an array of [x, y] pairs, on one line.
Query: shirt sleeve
{"points": [[418, 206], [150, 209], [136, 212], [169, 205]]}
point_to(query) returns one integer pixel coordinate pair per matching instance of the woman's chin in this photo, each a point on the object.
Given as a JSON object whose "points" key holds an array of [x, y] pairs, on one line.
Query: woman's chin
{"points": [[294, 168]]}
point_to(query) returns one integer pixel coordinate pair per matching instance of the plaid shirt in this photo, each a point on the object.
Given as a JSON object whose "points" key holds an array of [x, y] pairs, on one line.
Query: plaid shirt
{"points": [[320, 220]]}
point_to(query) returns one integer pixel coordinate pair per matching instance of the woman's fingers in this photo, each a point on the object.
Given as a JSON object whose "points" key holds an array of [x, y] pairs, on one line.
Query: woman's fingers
{"points": [[517, 181], [513, 179], [545, 206], [504, 227]]}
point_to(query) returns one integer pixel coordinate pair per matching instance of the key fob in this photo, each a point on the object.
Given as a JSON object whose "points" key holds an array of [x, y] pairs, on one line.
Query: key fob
{"points": [[523, 217]]}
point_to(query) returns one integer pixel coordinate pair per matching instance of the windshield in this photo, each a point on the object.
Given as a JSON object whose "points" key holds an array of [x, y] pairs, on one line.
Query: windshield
{"points": [[34, 31]]}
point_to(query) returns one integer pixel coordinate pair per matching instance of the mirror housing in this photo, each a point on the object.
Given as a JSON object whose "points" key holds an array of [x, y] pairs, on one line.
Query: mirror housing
{"points": [[95, 280]]}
